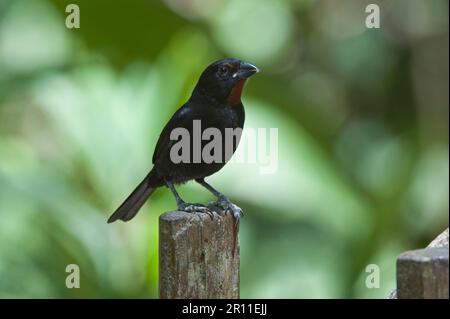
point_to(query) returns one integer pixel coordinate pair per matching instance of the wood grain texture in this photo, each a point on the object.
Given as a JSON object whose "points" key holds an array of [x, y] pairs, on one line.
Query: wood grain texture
{"points": [[423, 274], [198, 256], [418, 276]]}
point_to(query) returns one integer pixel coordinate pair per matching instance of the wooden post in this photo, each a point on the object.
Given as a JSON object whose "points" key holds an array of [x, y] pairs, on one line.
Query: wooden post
{"points": [[423, 273], [198, 256]]}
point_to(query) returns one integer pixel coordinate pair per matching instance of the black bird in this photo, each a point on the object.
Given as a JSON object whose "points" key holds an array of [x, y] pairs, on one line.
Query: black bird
{"points": [[216, 102]]}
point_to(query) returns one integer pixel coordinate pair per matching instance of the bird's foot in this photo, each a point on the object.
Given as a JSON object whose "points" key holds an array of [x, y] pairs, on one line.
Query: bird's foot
{"points": [[229, 207], [195, 209]]}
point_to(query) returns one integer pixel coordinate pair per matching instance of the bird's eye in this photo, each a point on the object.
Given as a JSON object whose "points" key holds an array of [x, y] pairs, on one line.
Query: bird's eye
{"points": [[223, 70]]}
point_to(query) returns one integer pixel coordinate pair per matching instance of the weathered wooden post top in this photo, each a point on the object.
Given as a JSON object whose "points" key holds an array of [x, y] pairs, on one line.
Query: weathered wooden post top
{"points": [[198, 256], [423, 273]]}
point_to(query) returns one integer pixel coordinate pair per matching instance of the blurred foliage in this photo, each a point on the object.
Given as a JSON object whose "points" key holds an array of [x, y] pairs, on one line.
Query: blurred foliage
{"points": [[362, 116]]}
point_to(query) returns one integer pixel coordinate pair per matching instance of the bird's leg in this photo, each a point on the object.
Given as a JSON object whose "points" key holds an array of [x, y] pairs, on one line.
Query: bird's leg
{"points": [[188, 207], [222, 201]]}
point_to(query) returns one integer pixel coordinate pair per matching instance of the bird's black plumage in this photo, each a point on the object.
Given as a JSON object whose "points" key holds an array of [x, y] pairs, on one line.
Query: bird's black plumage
{"points": [[216, 103]]}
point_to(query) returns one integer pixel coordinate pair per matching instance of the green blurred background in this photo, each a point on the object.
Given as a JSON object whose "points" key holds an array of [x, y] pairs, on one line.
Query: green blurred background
{"points": [[362, 116]]}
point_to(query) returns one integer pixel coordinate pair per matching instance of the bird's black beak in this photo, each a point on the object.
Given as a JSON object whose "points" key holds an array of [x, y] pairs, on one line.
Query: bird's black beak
{"points": [[246, 70]]}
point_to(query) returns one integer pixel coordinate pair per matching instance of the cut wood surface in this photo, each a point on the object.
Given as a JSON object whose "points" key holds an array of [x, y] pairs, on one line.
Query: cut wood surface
{"points": [[424, 273], [198, 256]]}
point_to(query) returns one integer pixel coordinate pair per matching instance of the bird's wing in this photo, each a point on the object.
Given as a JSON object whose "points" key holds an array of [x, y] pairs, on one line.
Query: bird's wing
{"points": [[181, 118]]}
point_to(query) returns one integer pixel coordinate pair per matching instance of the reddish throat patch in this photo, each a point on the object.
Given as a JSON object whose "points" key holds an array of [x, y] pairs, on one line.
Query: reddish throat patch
{"points": [[235, 95]]}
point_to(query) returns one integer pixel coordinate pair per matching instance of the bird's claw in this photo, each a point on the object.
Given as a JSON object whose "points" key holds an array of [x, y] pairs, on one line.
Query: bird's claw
{"points": [[196, 208], [231, 208]]}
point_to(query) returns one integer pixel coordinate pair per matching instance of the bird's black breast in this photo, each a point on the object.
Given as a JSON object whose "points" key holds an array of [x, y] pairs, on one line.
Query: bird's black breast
{"points": [[189, 115]]}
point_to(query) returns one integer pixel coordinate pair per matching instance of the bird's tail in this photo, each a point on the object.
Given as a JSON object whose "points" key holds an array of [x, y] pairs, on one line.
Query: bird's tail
{"points": [[130, 207]]}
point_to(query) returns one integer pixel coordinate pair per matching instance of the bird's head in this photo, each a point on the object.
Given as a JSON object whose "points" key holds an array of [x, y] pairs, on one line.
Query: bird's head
{"points": [[224, 80]]}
